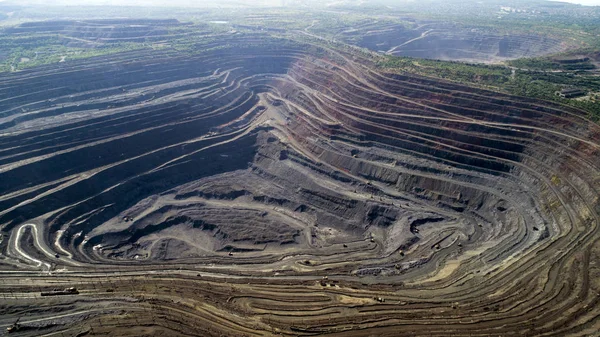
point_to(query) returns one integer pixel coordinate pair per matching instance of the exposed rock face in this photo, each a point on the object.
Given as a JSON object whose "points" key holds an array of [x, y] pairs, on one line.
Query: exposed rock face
{"points": [[273, 148], [265, 158]]}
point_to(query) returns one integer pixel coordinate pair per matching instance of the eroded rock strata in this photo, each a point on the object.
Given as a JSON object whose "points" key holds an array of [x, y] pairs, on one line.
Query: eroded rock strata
{"points": [[273, 187]]}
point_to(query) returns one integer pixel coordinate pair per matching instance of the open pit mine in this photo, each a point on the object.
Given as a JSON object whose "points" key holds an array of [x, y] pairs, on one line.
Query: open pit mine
{"points": [[445, 41], [284, 187]]}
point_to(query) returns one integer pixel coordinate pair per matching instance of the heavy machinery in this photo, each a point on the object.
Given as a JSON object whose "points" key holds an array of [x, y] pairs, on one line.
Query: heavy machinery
{"points": [[14, 327]]}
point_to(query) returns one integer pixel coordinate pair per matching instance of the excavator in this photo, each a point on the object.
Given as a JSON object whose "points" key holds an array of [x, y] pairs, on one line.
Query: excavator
{"points": [[14, 327]]}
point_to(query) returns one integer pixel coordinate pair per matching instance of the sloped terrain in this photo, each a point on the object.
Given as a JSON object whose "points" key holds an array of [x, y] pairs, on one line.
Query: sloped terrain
{"points": [[271, 187], [89, 33], [446, 41]]}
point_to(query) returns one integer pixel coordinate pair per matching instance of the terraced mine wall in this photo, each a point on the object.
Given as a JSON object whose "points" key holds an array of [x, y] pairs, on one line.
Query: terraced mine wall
{"points": [[90, 33], [264, 189], [444, 41]]}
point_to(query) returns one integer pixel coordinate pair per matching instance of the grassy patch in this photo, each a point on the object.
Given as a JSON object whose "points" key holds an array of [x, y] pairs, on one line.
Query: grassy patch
{"points": [[528, 83]]}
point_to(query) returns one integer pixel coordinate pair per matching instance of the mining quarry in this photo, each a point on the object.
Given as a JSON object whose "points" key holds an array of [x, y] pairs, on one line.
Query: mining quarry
{"points": [[270, 185], [450, 42]]}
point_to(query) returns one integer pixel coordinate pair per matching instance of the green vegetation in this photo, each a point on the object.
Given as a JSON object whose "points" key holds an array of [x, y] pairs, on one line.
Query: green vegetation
{"points": [[538, 63], [529, 83], [21, 51], [487, 75], [26, 57], [563, 63]]}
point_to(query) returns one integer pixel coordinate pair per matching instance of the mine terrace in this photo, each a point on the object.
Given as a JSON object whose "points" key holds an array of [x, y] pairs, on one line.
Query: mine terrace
{"points": [[253, 173]]}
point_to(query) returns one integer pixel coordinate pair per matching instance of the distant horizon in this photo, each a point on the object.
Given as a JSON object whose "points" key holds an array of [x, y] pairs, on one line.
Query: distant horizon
{"points": [[581, 2], [191, 3]]}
